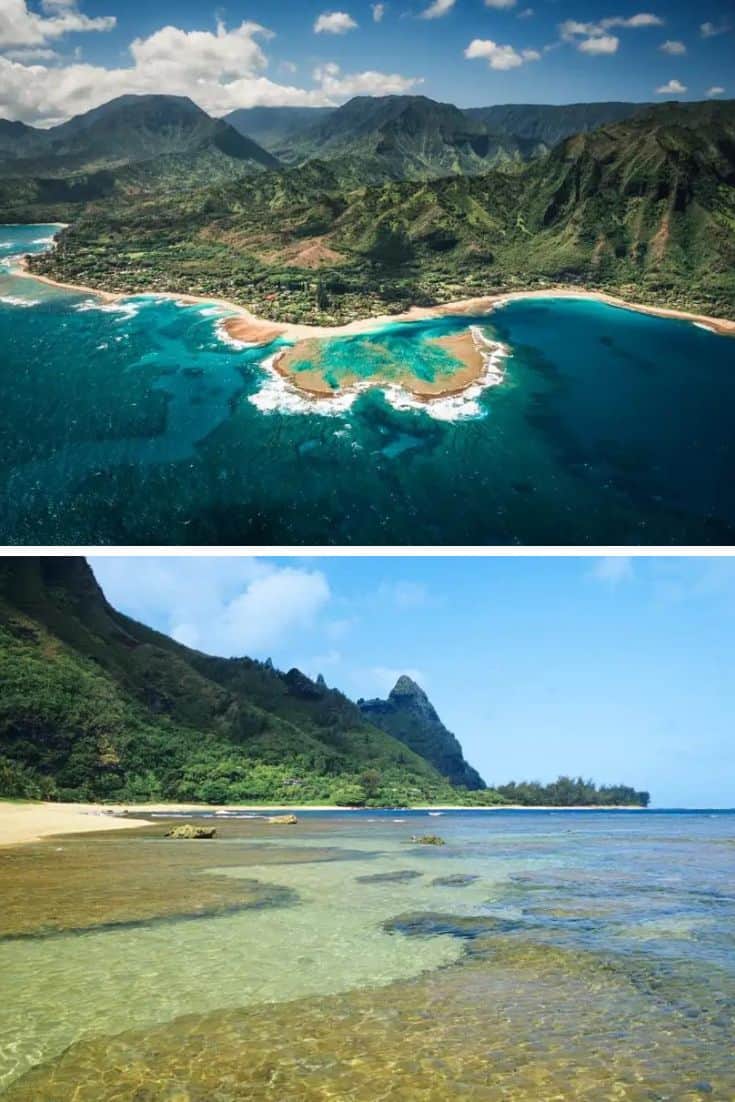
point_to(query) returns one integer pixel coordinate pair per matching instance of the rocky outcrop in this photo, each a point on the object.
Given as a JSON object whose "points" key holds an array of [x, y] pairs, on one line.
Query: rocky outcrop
{"points": [[188, 830], [409, 716]]}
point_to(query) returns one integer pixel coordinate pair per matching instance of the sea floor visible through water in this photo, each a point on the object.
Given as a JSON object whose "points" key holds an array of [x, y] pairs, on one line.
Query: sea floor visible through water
{"points": [[135, 422], [537, 956]]}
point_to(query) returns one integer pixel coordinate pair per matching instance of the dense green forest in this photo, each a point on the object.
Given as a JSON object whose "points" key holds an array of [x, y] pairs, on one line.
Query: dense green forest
{"points": [[97, 706]]}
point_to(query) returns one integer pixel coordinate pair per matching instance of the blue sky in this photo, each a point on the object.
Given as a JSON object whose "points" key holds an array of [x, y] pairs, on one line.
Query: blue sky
{"points": [[60, 57], [619, 669]]}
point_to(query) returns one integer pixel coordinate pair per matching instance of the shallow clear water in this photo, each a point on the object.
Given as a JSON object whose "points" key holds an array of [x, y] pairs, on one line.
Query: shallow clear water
{"points": [[534, 956], [135, 423]]}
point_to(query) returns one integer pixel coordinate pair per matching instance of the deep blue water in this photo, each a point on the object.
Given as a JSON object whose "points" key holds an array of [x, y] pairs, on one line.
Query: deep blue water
{"points": [[136, 424]]}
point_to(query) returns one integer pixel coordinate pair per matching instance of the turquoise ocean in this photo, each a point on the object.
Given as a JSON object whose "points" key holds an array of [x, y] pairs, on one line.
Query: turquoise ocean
{"points": [[136, 422]]}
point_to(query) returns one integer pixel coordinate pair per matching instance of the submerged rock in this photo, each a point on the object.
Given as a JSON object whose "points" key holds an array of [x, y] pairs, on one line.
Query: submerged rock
{"points": [[433, 923], [286, 820], [459, 880], [188, 830], [427, 840], [388, 877]]}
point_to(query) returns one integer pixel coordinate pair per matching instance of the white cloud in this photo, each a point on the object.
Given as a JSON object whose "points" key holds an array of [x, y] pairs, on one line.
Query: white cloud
{"points": [[220, 70], [31, 53], [673, 88], [711, 30], [613, 569], [438, 9], [21, 27], [338, 85], [222, 606], [673, 47], [715, 90], [500, 5], [499, 57], [602, 44], [572, 28], [334, 22], [525, 14], [378, 11]]}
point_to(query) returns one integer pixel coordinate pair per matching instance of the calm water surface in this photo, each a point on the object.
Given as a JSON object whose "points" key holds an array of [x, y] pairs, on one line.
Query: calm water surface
{"points": [[535, 956], [134, 423]]}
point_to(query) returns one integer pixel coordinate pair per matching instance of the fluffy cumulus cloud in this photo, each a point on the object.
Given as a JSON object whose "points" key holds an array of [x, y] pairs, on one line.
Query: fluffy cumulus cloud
{"points": [[334, 22], [222, 606], [600, 44], [499, 57], [378, 11], [716, 90], [500, 5], [21, 27], [220, 70], [672, 88], [673, 47], [337, 85], [438, 9], [593, 38]]}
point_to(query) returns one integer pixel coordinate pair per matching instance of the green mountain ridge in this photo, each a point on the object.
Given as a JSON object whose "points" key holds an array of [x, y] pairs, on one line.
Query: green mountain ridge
{"points": [[96, 705], [126, 131], [644, 208], [375, 139]]}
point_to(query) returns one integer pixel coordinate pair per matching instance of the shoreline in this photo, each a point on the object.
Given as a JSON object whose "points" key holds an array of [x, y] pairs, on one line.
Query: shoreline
{"points": [[251, 330], [479, 359], [25, 823]]}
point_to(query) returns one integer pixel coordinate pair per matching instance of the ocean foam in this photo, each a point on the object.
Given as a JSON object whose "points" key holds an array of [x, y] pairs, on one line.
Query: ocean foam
{"points": [[127, 309], [278, 395], [13, 300]]}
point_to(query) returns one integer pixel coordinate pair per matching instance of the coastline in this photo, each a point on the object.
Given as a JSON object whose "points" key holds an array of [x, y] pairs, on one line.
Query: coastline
{"points": [[24, 823], [246, 328], [479, 359]]}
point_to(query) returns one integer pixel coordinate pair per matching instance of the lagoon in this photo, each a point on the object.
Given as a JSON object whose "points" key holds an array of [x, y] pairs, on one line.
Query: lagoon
{"points": [[136, 422], [537, 955]]}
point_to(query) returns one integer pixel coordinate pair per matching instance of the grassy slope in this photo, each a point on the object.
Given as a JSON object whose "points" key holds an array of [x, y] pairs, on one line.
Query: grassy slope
{"points": [[108, 708]]}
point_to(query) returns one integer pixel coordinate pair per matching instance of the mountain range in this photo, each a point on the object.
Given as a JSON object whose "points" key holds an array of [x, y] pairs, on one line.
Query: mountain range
{"points": [[373, 139], [643, 207], [98, 706]]}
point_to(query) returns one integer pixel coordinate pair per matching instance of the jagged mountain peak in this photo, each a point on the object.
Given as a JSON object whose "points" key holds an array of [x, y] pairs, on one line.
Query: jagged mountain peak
{"points": [[406, 688], [409, 716]]}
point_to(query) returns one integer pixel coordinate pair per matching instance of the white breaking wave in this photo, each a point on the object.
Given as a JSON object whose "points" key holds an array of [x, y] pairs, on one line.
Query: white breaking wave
{"points": [[279, 395], [126, 309], [43, 241], [13, 300]]}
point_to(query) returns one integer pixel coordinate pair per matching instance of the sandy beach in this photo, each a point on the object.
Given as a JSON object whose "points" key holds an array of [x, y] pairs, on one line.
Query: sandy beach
{"points": [[29, 822]]}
